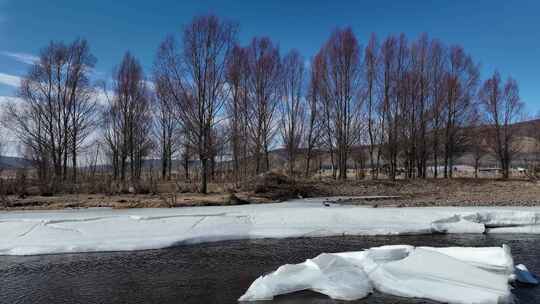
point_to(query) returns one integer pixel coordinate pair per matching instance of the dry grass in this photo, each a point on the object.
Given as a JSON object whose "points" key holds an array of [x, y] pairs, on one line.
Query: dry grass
{"points": [[274, 187]]}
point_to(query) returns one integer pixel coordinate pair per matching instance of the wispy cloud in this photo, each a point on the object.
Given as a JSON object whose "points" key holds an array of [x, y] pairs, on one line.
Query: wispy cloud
{"points": [[21, 57], [10, 80]]}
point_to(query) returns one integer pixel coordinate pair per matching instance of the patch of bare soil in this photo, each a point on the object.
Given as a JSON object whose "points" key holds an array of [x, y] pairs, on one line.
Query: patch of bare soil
{"points": [[115, 201], [442, 192]]}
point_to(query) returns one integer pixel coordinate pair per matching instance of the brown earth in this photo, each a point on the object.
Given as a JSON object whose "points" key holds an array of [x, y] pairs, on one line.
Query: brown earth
{"points": [[441, 192], [275, 187]]}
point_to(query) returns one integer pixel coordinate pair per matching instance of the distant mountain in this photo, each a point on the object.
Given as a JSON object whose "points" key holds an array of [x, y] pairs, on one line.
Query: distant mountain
{"points": [[11, 162]]}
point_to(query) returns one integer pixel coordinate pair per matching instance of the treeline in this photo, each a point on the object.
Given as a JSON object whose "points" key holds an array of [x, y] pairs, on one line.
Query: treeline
{"points": [[414, 104]]}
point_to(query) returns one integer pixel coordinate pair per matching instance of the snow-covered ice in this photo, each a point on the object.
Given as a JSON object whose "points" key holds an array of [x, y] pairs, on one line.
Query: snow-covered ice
{"points": [[450, 275], [329, 274], [45, 232]]}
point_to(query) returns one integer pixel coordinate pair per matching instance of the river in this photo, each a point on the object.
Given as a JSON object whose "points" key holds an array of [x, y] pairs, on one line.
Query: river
{"points": [[213, 272]]}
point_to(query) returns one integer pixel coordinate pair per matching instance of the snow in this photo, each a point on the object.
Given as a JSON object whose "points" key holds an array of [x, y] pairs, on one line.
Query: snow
{"points": [[482, 257], [46, 232], [449, 275]]}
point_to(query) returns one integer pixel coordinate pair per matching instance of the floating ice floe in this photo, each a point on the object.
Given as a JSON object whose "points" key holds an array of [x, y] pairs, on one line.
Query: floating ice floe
{"points": [[459, 275], [47, 232], [523, 275]]}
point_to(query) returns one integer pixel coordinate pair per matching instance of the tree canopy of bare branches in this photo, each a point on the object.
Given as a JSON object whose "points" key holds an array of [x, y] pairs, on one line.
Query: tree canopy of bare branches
{"points": [[194, 77], [237, 109], [292, 106], [57, 109], [264, 91], [128, 120], [340, 64], [503, 107]]}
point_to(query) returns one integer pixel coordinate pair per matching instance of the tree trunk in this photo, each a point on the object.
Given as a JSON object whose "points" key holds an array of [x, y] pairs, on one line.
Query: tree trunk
{"points": [[204, 176]]}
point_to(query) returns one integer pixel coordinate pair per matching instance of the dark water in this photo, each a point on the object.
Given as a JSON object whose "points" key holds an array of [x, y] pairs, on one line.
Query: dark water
{"points": [[210, 273]]}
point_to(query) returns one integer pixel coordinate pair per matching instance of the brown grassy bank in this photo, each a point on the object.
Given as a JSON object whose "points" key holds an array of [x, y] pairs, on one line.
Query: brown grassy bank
{"points": [[275, 188]]}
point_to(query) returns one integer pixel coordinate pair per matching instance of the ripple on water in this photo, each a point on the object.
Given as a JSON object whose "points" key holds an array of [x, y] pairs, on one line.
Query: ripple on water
{"points": [[211, 273]]}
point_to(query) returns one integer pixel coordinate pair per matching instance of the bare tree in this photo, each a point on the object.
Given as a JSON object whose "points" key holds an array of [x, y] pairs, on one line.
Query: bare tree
{"points": [[264, 84], [292, 106], [196, 78], [437, 64], [460, 85], [188, 151], [320, 94], [372, 69], [476, 133], [313, 123], [237, 110], [389, 106], [341, 64], [420, 60], [128, 119], [58, 108], [166, 126], [503, 108]]}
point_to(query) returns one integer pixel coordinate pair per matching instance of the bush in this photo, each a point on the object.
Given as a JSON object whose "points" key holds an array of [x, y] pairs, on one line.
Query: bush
{"points": [[279, 186], [21, 184]]}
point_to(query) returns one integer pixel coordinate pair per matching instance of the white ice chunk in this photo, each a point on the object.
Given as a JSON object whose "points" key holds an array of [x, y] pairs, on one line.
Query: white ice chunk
{"points": [[490, 258], [432, 275], [449, 275], [389, 253], [523, 275], [457, 224], [501, 218], [328, 274]]}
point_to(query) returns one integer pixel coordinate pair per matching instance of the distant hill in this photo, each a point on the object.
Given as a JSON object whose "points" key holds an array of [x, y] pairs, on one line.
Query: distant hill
{"points": [[528, 133], [11, 162], [528, 128]]}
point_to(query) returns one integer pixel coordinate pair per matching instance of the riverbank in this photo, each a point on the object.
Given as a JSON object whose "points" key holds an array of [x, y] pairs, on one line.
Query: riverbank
{"points": [[92, 230], [275, 188]]}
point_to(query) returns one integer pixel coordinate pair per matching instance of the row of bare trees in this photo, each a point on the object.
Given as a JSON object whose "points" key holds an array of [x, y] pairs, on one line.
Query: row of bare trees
{"points": [[419, 97], [128, 120], [406, 107], [58, 109]]}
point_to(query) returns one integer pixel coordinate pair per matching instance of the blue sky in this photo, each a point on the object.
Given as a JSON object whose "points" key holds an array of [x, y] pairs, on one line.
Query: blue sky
{"points": [[499, 34]]}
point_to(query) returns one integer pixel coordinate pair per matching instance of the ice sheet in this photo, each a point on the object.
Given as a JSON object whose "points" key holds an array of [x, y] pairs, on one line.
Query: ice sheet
{"points": [[45, 232], [449, 275]]}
